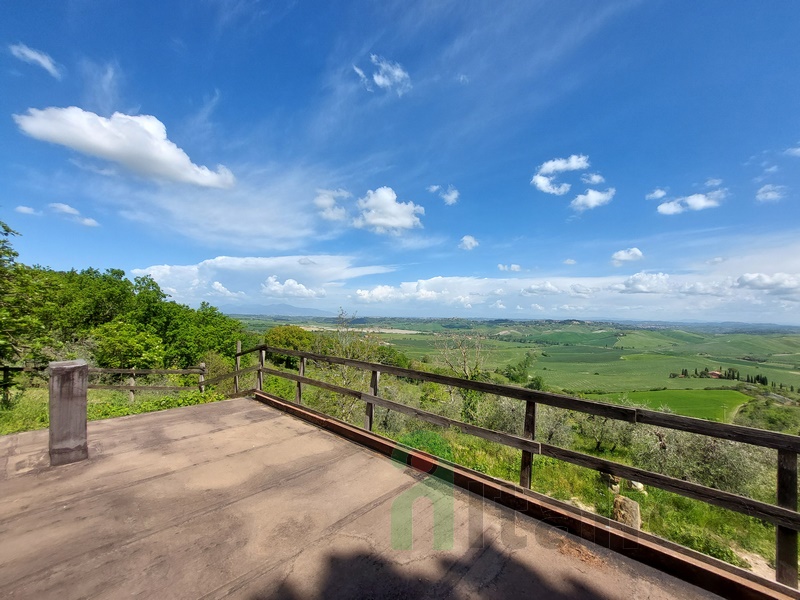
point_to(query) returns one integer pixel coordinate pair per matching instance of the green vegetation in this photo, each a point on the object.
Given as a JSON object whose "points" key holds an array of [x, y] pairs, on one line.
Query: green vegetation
{"points": [[29, 411], [715, 405]]}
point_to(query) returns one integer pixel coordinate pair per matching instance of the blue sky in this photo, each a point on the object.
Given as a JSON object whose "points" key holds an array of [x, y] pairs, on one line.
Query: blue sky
{"points": [[629, 160]]}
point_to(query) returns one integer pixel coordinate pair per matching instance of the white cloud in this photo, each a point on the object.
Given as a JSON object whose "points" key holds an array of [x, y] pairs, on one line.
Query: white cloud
{"points": [[621, 256], [450, 196], [536, 289], [778, 283], [27, 210], [771, 193], [656, 194], [468, 243], [592, 199], [793, 151], [593, 178], [535, 306], [225, 292], [498, 304], [35, 57], [87, 221], [388, 76], [511, 267], [580, 290], [713, 182], [645, 283], [545, 184], [363, 78], [329, 209], [543, 179], [382, 213], [139, 143], [570, 261], [64, 209], [575, 162], [290, 288], [693, 202], [195, 282], [73, 213]]}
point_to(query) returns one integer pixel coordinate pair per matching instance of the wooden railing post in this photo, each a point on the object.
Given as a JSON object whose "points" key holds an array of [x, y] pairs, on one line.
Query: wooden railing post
{"points": [[369, 411], [131, 391], [301, 370], [237, 362], [785, 538], [68, 381], [202, 377], [260, 378], [6, 384], [529, 431]]}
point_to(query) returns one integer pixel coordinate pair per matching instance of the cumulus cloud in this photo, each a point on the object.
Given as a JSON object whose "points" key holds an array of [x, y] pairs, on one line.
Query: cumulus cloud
{"points": [[225, 292], [138, 143], [35, 57], [771, 193], [387, 75], [545, 184], [382, 213], [622, 256], [87, 222], [575, 162], [645, 283], [27, 210], [713, 182], [450, 195], [547, 171], [693, 202], [777, 283], [593, 178], [656, 194], [468, 243], [792, 151], [580, 290], [498, 305], [592, 199], [570, 261], [511, 267], [329, 208], [290, 288], [536, 289]]}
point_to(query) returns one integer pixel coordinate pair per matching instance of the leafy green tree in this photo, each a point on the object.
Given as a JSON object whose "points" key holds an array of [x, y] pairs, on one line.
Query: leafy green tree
{"points": [[291, 337], [121, 345], [21, 333]]}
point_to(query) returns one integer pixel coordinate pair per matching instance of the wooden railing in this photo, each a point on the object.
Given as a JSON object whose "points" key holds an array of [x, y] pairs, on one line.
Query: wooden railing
{"points": [[199, 370], [784, 515]]}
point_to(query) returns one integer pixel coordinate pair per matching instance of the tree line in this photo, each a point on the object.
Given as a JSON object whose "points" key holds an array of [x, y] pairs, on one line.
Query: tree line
{"points": [[104, 317]]}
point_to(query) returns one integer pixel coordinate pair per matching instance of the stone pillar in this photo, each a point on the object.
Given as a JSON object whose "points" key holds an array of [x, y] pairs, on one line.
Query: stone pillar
{"points": [[68, 383]]}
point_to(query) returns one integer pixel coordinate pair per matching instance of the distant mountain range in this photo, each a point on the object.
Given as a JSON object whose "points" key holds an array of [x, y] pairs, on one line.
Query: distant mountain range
{"points": [[274, 310]]}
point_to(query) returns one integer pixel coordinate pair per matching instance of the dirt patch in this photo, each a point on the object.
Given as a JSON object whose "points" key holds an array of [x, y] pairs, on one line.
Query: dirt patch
{"points": [[568, 547]]}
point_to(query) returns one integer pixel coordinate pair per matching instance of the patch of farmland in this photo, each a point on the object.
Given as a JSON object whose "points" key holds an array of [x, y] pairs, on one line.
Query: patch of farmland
{"points": [[716, 405]]}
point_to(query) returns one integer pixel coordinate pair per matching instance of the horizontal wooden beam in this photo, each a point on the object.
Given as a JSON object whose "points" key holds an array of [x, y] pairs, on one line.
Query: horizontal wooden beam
{"points": [[190, 371], [214, 380], [737, 433], [142, 388]]}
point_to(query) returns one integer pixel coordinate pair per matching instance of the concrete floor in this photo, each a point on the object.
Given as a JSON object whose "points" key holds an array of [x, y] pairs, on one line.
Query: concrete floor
{"points": [[236, 499]]}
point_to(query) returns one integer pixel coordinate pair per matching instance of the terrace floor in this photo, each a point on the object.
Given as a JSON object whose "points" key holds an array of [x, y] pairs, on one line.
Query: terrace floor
{"points": [[237, 499]]}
